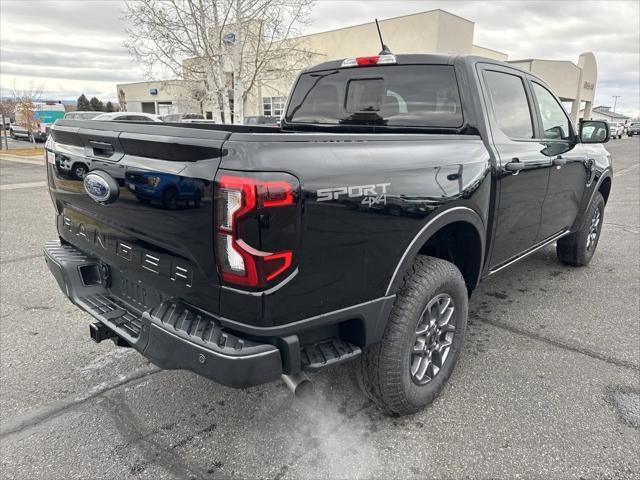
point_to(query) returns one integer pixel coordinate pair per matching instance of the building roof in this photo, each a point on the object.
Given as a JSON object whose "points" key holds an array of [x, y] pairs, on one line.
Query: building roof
{"points": [[382, 20], [604, 110]]}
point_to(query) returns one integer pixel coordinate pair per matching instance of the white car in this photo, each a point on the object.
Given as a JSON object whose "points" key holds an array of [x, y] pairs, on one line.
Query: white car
{"points": [[128, 117], [616, 130]]}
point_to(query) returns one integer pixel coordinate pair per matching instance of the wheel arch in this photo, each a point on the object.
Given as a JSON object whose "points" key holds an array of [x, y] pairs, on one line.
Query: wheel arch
{"points": [[605, 188], [457, 235]]}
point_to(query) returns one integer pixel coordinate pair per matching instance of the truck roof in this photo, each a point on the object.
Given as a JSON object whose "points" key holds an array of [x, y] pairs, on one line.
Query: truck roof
{"points": [[413, 59]]}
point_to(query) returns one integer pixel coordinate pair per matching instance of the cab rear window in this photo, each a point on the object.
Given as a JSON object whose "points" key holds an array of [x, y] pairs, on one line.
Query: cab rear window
{"points": [[397, 96]]}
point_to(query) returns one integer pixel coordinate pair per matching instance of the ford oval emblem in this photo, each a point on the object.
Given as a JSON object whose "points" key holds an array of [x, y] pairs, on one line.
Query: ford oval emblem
{"points": [[101, 186]]}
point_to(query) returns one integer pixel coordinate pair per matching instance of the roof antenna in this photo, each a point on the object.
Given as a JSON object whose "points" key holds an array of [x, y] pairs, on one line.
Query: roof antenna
{"points": [[385, 50]]}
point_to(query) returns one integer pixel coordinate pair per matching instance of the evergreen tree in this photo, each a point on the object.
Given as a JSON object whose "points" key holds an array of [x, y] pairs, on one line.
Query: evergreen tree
{"points": [[109, 107], [96, 105], [83, 104]]}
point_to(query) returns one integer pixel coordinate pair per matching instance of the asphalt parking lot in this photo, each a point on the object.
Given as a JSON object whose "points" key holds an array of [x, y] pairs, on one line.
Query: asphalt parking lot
{"points": [[548, 385]]}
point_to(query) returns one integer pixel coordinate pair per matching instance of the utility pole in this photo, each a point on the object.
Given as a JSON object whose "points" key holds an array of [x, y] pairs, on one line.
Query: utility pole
{"points": [[615, 101]]}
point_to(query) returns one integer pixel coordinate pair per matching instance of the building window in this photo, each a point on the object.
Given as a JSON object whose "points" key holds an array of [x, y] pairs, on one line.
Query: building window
{"points": [[273, 106]]}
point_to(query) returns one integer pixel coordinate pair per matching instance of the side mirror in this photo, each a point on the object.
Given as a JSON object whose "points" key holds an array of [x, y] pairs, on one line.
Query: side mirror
{"points": [[594, 131]]}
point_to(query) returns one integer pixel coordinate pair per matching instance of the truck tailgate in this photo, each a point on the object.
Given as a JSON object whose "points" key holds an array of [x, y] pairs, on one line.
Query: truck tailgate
{"points": [[156, 236]]}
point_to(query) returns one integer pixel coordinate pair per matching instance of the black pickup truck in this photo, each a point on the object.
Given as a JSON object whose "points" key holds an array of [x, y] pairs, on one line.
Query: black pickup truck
{"points": [[356, 230]]}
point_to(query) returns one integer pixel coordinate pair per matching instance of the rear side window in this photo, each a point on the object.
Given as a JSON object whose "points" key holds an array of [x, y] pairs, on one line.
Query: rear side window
{"points": [[396, 96], [510, 105]]}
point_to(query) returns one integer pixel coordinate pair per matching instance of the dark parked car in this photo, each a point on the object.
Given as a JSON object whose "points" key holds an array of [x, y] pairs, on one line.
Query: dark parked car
{"points": [[633, 129], [357, 230], [262, 120]]}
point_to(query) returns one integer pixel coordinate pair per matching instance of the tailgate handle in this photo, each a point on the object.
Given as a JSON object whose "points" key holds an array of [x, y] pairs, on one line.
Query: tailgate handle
{"points": [[104, 149]]}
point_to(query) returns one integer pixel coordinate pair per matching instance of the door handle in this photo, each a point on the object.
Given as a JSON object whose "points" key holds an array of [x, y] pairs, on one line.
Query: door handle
{"points": [[559, 161], [514, 166], [101, 148]]}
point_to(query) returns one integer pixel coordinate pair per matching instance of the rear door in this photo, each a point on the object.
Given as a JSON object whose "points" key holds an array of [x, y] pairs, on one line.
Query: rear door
{"points": [[521, 192], [571, 168]]}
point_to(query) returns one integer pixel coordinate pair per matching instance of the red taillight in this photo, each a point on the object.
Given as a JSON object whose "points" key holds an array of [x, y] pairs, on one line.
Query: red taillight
{"points": [[361, 61], [238, 197], [369, 61]]}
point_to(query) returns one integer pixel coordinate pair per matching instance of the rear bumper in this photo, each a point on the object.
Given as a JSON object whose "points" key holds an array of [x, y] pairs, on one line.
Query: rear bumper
{"points": [[172, 335]]}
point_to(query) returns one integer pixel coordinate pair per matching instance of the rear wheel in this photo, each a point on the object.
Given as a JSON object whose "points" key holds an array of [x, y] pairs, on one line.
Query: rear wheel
{"points": [[170, 199], [80, 171], [422, 341], [578, 248]]}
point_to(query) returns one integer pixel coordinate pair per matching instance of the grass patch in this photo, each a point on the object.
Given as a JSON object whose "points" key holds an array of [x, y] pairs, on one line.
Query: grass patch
{"points": [[25, 152]]}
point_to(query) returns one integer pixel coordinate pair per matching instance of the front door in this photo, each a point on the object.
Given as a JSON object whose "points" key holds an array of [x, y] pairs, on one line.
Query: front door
{"points": [[571, 169], [522, 170]]}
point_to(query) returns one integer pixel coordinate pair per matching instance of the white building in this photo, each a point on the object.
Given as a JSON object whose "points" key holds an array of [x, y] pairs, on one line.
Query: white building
{"points": [[604, 113]]}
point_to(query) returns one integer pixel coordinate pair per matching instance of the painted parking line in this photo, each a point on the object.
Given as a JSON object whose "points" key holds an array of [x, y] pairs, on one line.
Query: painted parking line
{"points": [[625, 170], [27, 160], [17, 186]]}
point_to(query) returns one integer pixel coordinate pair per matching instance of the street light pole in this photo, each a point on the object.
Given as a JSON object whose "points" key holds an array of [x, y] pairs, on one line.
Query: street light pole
{"points": [[615, 102]]}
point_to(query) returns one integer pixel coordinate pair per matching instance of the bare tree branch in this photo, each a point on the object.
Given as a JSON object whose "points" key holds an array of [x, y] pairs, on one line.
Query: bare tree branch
{"points": [[189, 40]]}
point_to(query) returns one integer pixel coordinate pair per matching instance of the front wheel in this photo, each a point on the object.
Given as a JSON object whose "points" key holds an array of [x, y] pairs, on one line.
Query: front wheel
{"points": [[407, 369], [578, 248]]}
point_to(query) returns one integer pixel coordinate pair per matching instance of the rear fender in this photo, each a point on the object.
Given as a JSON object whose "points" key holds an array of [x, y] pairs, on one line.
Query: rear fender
{"points": [[435, 224]]}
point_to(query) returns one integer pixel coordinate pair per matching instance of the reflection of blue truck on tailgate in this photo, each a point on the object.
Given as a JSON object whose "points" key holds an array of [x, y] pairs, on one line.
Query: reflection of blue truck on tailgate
{"points": [[165, 188]]}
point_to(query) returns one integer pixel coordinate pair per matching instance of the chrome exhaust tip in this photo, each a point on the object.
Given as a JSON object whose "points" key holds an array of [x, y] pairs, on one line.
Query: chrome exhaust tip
{"points": [[299, 384]]}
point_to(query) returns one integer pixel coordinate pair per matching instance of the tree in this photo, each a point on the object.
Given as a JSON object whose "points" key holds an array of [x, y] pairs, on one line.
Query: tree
{"points": [[96, 105], [25, 109], [222, 47], [83, 103], [109, 107], [122, 101]]}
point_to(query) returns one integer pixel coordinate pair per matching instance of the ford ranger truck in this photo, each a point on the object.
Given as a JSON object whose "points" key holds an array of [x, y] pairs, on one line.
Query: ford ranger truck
{"points": [[356, 230]]}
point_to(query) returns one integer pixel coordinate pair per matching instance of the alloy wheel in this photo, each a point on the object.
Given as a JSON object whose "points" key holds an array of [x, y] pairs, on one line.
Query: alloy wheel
{"points": [[433, 339], [592, 236]]}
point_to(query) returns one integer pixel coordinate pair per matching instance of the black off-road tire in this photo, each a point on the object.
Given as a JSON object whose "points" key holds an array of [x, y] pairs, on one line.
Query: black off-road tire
{"points": [[79, 170], [574, 249], [384, 369], [170, 199]]}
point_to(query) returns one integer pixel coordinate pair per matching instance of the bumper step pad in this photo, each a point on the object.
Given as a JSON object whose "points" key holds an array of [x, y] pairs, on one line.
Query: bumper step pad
{"points": [[326, 353], [173, 334]]}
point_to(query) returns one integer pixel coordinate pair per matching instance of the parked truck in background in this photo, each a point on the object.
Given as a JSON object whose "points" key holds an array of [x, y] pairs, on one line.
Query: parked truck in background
{"points": [[357, 230], [633, 129]]}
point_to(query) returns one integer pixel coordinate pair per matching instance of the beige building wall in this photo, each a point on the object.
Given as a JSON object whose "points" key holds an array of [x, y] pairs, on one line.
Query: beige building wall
{"points": [[489, 53], [135, 94]]}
